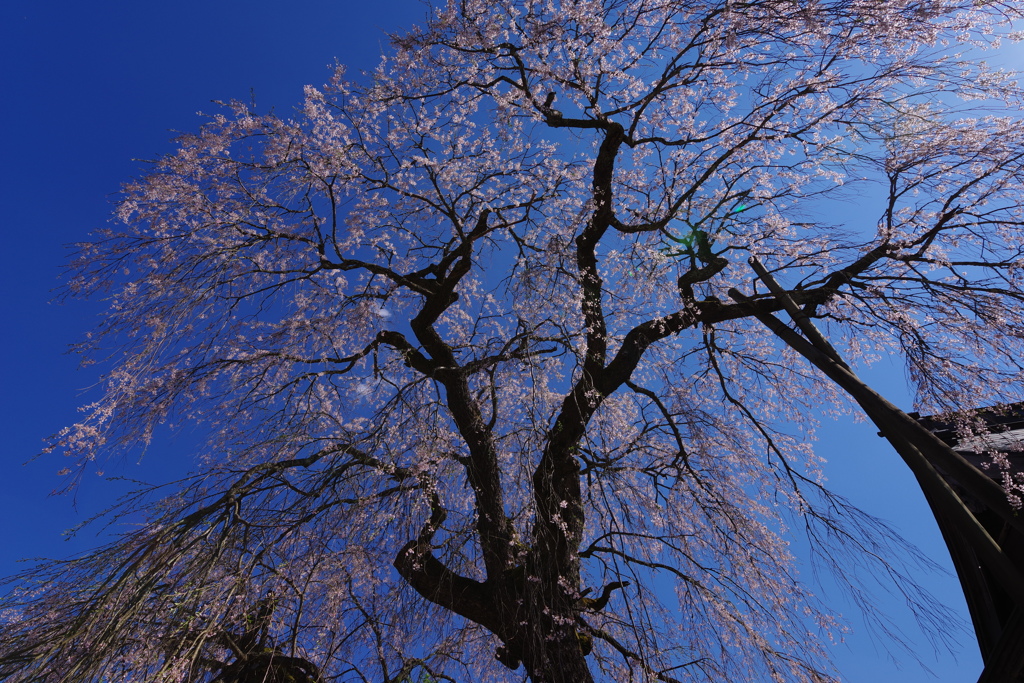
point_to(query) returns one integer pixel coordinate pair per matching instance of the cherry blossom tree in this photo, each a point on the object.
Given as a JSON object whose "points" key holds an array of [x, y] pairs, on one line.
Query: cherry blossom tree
{"points": [[478, 400]]}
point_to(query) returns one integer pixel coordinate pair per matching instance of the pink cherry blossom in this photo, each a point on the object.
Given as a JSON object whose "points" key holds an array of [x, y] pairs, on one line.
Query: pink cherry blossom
{"points": [[460, 334]]}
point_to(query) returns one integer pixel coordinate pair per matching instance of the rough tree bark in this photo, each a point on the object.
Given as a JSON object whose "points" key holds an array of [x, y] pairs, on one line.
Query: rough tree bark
{"points": [[460, 333]]}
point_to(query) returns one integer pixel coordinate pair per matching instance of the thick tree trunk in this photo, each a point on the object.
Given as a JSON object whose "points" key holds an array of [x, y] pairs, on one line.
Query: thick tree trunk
{"points": [[558, 660]]}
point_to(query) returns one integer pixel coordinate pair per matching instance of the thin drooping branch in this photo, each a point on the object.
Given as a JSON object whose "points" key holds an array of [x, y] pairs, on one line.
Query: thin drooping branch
{"points": [[918, 446], [461, 352]]}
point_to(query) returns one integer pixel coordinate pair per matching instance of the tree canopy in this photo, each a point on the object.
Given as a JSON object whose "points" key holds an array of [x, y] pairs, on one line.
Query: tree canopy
{"points": [[460, 332]]}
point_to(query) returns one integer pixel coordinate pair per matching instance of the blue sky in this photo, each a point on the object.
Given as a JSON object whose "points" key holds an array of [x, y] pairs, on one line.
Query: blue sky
{"points": [[88, 88]]}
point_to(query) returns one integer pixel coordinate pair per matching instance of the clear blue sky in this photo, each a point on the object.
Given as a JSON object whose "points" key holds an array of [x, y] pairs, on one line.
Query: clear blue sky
{"points": [[87, 87]]}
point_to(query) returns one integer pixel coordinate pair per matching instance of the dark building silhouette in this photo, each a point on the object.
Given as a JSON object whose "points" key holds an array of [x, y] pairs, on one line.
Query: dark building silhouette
{"points": [[998, 618]]}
